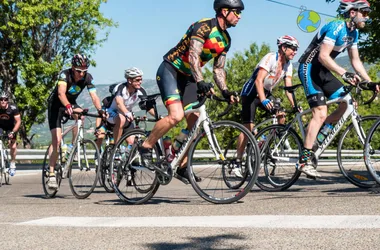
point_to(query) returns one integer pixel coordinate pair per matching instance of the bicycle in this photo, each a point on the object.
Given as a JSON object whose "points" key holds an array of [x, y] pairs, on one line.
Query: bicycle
{"points": [[206, 138], [80, 167], [278, 161], [4, 167], [372, 146], [105, 158]]}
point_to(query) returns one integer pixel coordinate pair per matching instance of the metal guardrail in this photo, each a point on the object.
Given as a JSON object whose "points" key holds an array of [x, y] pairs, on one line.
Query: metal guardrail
{"points": [[328, 155]]}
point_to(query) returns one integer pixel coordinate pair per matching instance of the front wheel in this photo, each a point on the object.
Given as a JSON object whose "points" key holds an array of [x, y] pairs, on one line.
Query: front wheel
{"points": [[49, 193], [372, 152], [279, 151], [350, 163], [212, 154], [83, 168]]}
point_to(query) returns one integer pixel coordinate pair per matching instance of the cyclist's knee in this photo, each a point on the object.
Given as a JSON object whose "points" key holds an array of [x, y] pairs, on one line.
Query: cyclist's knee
{"points": [[320, 113], [175, 118]]}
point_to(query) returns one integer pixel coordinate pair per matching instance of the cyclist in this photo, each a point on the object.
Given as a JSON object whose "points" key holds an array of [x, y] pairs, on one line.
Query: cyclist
{"points": [[257, 91], [179, 76], [127, 95], [316, 67], [10, 121], [71, 83]]}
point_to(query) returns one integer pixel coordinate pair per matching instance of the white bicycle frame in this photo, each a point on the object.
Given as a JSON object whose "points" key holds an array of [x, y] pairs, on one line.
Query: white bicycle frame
{"points": [[350, 111], [202, 120]]}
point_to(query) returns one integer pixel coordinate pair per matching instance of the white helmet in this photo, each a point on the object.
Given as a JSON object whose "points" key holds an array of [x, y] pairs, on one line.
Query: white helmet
{"points": [[346, 5], [132, 73], [287, 40]]}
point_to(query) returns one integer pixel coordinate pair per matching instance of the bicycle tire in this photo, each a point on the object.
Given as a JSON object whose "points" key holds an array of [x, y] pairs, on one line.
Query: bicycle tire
{"points": [[6, 173], [211, 174], [83, 172], [227, 169], [275, 176], [133, 183], [49, 193], [356, 173], [105, 174], [263, 124], [372, 152], [2, 171]]}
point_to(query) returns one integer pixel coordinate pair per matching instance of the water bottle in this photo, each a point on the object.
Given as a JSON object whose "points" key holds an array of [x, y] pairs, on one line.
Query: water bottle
{"points": [[262, 140], [324, 132], [179, 140], [168, 150], [68, 151], [63, 152], [128, 151]]}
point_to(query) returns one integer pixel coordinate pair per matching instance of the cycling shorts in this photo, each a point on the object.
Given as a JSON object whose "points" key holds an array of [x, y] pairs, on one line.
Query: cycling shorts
{"points": [[176, 87], [250, 103], [53, 113], [319, 84]]}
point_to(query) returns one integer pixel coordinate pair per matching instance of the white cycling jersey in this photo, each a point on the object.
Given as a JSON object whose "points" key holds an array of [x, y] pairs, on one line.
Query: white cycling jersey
{"points": [[130, 100], [270, 63]]}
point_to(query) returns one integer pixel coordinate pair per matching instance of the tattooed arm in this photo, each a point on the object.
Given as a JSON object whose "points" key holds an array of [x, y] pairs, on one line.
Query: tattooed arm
{"points": [[195, 51], [219, 73]]}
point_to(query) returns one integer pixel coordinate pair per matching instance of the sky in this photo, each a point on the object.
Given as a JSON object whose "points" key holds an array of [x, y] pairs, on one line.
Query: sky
{"points": [[150, 28]]}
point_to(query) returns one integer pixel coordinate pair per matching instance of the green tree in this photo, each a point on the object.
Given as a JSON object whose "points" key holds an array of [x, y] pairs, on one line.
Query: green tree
{"points": [[36, 39]]}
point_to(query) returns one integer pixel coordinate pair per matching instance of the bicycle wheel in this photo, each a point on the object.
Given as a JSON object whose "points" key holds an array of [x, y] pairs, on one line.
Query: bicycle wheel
{"points": [[83, 168], [279, 154], [372, 151], [133, 183], [208, 164], [350, 164], [264, 124], [6, 173], [2, 172], [49, 193], [105, 174]]}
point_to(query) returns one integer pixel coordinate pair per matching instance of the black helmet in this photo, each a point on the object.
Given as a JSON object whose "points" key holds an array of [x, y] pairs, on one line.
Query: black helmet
{"points": [[80, 60], [229, 4]]}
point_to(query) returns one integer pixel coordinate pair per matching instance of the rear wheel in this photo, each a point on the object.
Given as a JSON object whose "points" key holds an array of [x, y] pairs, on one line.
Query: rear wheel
{"points": [[83, 168], [105, 166], [6, 173], [212, 156]]}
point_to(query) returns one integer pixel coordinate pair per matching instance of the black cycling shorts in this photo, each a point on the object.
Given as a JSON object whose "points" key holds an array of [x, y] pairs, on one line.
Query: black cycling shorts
{"points": [[175, 87], [250, 104], [53, 112], [319, 84]]}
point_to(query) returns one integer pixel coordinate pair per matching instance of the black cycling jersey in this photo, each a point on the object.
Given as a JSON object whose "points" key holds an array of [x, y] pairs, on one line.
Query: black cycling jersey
{"points": [[7, 117]]}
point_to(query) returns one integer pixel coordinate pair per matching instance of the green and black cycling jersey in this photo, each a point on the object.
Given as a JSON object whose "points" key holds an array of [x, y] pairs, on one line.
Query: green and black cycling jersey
{"points": [[207, 31], [73, 89]]}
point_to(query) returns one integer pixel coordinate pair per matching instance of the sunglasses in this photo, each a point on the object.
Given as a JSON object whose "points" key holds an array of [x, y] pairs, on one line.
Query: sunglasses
{"points": [[364, 13], [293, 48], [236, 12], [4, 99], [80, 70], [137, 80]]}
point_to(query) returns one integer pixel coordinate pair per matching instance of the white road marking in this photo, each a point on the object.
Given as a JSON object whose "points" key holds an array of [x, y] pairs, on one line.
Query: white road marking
{"points": [[255, 221]]}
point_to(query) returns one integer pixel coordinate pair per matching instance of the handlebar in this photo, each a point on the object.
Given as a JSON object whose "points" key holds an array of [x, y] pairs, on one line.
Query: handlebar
{"points": [[85, 112], [368, 86], [202, 100]]}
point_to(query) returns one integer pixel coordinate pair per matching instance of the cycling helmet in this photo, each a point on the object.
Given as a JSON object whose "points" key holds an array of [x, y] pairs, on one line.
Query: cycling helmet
{"points": [[133, 73], [229, 4], [346, 5], [80, 60], [4, 94], [287, 40]]}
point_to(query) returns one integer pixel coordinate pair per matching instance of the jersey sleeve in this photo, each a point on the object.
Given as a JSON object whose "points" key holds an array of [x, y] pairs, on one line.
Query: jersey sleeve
{"points": [[332, 31], [62, 78], [267, 61], [90, 83], [201, 31], [15, 110]]}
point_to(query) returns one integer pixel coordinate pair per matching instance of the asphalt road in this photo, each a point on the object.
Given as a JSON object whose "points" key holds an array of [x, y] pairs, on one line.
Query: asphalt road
{"points": [[326, 214]]}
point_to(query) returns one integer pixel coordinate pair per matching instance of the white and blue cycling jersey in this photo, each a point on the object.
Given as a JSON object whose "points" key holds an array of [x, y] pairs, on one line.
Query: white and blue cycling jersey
{"points": [[269, 63], [335, 33]]}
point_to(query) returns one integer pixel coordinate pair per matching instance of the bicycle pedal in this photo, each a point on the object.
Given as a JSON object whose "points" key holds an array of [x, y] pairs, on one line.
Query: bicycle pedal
{"points": [[184, 180]]}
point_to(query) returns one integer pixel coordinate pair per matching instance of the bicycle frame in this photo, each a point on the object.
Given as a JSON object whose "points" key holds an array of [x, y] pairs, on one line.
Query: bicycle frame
{"points": [[204, 120], [350, 111]]}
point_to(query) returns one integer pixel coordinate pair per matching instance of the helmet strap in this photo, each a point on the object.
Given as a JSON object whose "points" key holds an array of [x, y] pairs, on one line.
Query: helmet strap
{"points": [[283, 54]]}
